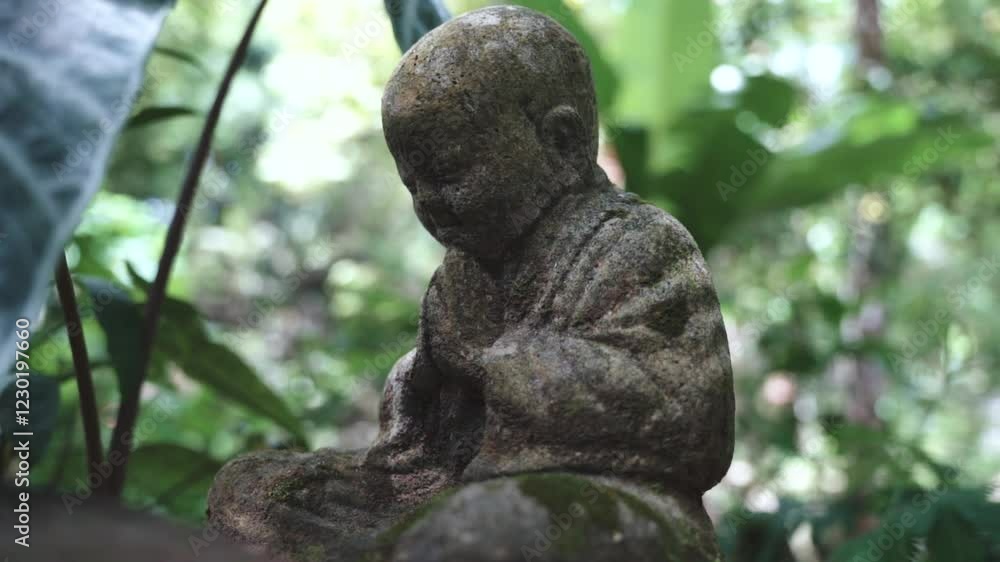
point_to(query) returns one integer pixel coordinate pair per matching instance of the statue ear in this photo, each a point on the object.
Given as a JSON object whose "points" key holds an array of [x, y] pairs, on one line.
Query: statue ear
{"points": [[564, 135]]}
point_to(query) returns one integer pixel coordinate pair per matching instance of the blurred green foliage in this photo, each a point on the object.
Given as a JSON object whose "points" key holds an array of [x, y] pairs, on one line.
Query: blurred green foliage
{"points": [[848, 212]]}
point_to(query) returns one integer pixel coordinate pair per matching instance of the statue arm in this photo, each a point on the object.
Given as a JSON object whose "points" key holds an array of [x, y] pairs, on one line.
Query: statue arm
{"points": [[406, 414], [641, 366]]}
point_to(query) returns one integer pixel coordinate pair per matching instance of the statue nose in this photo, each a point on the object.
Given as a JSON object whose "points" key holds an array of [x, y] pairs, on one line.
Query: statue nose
{"points": [[438, 210]]}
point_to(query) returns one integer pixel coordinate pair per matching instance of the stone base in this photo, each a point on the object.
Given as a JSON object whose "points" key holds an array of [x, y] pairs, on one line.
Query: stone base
{"points": [[551, 517], [320, 507]]}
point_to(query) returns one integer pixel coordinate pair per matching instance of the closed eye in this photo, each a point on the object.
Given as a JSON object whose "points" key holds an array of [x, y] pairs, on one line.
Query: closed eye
{"points": [[449, 177]]}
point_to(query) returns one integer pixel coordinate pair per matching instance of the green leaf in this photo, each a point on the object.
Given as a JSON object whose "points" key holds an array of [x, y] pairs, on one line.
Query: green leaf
{"points": [[748, 536], [172, 476], [151, 115], [182, 315], [184, 341], [666, 51], [412, 19], [805, 176], [59, 123], [219, 368], [121, 320], [770, 98], [91, 260], [42, 407], [953, 537], [867, 547], [605, 77], [725, 175], [719, 167], [632, 145], [180, 55]]}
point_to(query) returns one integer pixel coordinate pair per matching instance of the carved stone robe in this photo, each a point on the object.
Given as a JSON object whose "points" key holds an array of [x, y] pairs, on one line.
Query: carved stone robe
{"points": [[596, 346]]}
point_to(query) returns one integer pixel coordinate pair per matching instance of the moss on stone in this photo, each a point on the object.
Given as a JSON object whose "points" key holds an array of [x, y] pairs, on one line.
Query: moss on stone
{"points": [[680, 539], [597, 510], [283, 490], [601, 513], [580, 513], [669, 534], [386, 540], [311, 553]]}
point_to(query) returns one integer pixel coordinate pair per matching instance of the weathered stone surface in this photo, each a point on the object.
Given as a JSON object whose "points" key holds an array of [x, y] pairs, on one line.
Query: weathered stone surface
{"points": [[571, 328], [315, 507], [552, 517]]}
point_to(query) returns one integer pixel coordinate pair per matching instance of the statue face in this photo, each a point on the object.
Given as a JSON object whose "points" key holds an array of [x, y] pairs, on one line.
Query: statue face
{"points": [[476, 186]]}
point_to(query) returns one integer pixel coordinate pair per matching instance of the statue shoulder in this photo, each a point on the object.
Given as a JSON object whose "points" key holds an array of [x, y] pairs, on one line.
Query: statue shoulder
{"points": [[642, 238]]}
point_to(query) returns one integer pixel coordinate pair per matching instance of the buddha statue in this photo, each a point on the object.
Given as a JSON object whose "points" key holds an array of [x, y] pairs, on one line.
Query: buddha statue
{"points": [[570, 340]]}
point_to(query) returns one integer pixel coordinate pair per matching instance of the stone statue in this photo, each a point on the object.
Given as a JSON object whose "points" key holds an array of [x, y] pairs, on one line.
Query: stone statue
{"points": [[571, 364]]}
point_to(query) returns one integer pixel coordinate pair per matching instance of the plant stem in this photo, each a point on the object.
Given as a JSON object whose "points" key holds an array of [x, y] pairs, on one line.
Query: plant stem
{"points": [[81, 364], [129, 410]]}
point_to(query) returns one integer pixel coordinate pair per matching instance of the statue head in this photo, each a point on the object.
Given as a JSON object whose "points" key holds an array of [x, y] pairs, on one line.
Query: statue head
{"points": [[491, 118]]}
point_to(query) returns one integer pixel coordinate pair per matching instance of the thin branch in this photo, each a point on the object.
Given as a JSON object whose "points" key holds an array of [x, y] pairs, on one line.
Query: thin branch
{"points": [[868, 29], [867, 377], [81, 364], [129, 410]]}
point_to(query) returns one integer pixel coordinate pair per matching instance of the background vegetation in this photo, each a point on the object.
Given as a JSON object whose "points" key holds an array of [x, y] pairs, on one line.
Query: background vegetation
{"points": [[836, 161]]}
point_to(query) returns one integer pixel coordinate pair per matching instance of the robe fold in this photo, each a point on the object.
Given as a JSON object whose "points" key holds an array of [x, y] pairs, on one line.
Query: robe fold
{"points": [[596, 347]]}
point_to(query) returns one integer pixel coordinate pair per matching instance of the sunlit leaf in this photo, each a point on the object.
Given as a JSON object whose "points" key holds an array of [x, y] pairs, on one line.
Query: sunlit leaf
{"points": [[724, 175], [180, 55], [770, 98], [219, 368], [804, 177], [666, 51], [185, 342], [156, 114]]}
